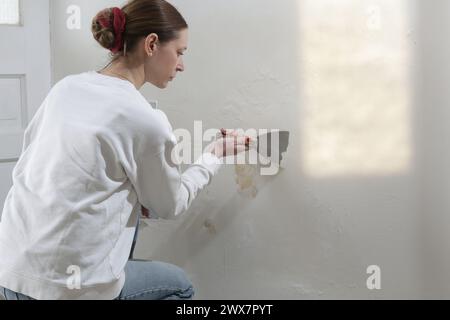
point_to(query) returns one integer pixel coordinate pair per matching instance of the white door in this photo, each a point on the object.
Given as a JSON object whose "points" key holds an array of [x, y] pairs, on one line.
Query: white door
{"points": [[24, 77]]}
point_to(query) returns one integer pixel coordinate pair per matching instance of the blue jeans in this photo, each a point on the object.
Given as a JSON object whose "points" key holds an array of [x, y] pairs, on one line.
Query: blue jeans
{"points": [[145, 280]]}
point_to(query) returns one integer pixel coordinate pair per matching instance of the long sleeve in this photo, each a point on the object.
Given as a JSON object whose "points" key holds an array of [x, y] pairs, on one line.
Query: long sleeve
{"points": [[160, 185]]}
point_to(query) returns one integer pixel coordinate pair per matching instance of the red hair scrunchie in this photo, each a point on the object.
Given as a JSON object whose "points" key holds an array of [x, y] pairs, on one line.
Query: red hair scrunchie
{"points": [[119, 21]]}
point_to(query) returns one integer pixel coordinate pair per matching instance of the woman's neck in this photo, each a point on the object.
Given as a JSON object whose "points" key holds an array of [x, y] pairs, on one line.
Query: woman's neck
{"points": [[119, 69]]}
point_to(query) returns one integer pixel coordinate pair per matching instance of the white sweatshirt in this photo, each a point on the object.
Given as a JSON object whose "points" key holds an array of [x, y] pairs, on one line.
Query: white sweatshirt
{"points": [[94, 152]]}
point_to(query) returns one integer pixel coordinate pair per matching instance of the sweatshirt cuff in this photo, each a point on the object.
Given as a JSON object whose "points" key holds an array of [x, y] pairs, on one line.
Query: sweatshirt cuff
{"points": [[210, 161]]}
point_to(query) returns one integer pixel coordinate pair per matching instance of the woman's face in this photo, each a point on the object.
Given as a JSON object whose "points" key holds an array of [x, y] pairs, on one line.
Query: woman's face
{"points": [[166, 59]]}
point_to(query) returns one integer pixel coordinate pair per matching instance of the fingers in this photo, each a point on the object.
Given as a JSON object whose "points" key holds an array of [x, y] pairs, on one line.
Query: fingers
{"points": [[235, 145], [240, 149], [223, 132], [232, 133], [226, 132], [235, 141], [232, 143]]}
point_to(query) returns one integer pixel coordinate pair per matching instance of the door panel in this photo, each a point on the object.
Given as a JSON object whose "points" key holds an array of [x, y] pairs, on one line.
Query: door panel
{"points": [[24, 81]]}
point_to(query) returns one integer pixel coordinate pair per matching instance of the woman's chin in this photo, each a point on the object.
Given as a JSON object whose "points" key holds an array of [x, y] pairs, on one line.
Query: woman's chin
{"points": [[162, 85]]}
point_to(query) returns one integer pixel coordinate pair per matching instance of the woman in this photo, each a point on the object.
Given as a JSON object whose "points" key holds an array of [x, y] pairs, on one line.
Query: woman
{"points": [[94, 156]]}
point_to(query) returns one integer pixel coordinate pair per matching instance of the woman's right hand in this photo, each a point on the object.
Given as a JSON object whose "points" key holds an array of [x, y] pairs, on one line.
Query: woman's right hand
{"points": [[231, 143]]}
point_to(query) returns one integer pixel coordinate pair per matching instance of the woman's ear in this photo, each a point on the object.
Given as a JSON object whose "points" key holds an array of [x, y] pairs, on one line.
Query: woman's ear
{"points": [[151, 42]]}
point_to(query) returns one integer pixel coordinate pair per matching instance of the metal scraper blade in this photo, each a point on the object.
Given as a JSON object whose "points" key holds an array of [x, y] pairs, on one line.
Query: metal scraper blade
{"points": [[273, 144]]}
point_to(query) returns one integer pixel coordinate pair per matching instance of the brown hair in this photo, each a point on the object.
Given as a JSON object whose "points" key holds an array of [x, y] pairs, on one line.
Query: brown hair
{"points": [[143, 17]]}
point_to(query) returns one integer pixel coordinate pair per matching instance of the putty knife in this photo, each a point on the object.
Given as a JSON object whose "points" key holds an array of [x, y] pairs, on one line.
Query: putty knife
{"points": [[273, 144]]}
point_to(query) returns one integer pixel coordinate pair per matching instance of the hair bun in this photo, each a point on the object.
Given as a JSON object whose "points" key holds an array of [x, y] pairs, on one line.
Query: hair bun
{"points": [[120, 30], [104, 36]]}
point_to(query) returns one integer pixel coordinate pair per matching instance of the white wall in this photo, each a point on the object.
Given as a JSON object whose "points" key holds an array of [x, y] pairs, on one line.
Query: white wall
{"points": [[311, 231], [433, 117]]}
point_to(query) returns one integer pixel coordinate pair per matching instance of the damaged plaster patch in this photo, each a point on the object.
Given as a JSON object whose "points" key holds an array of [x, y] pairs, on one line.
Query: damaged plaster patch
{"points": [[245, 178], [249, 179], [209, 225]]}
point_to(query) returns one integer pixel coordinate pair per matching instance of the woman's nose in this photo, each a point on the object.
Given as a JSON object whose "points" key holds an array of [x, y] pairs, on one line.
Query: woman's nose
{"points": [[180, 66]]}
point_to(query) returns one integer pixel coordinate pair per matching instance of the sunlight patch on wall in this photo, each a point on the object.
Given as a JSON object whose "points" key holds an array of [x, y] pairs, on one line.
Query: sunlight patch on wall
{"points": [[355, 80]]}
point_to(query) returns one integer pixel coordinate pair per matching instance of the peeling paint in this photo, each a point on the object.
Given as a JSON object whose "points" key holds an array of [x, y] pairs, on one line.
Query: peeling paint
{"points": [[245, 179]]}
